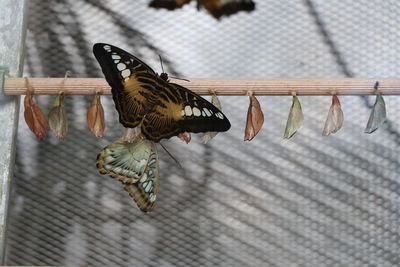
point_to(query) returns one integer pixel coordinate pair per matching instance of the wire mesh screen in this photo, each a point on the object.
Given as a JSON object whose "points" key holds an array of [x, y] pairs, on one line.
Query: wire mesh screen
{"points": [[307, 201]]}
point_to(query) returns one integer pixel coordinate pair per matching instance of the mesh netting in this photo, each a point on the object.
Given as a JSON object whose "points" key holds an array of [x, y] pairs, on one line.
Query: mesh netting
{"points": [[308, 201]]}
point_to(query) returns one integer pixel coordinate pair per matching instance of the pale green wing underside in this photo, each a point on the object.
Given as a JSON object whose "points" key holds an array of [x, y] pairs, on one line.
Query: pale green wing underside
{"points": [[125, 161], [146, 190], [135, 164]]}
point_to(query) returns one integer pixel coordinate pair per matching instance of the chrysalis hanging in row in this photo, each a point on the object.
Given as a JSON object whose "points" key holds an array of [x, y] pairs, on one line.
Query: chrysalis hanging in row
{"points": [[255, 118], [37, 123], [378, 113], [295, 118], [34, 116], [58, 117], [95, 116], [335, 118]]}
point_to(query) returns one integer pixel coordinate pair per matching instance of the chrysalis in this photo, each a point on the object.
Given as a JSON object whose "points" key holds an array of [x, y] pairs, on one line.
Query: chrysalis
{"points": [[210, 135], [334, 121], [378, 115], [255, 118], [185, 137], [58, 117], [34, 116], [95, 117], [295, 118]]}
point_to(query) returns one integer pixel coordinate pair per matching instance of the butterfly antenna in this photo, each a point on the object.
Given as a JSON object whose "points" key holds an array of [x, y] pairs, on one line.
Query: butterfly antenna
{"points": [[176, 161], [186, 80], [162, 67]]}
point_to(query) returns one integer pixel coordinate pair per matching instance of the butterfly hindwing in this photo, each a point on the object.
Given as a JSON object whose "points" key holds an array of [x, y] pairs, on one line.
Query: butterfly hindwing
{"points": [[186, 111], [135, 164], [130, 80], [125, 161], [145, 191]]}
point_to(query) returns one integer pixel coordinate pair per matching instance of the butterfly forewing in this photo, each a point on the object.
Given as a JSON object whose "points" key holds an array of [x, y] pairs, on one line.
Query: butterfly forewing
{"points": [[144, 98], [131, 81]]}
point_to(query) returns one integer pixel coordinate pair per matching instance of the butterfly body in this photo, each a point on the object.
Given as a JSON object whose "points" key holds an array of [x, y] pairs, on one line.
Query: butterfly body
{"points": [[135, 164], [144, 98]]}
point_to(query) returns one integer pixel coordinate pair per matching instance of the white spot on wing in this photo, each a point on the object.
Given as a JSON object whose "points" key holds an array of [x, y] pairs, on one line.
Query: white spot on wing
{"points": [[107, 48], [144, 178], [148, 187], [219, 115], [196, 112], [138, 66], [208, 113], [125, 73], [108, 159], [108, 166], [188, 111], [121, 66], [115, 57]]}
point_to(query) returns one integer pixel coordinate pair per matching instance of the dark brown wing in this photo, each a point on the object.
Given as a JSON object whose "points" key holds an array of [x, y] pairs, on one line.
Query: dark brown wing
{"points": [[141, 96], [131, 81], [181, 110], [219, 8], [168, 4]]}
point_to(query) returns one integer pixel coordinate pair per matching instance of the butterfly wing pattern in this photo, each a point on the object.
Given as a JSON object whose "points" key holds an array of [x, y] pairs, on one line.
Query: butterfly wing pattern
{"points": [[135, 164], [142, 97], [161, 109]]}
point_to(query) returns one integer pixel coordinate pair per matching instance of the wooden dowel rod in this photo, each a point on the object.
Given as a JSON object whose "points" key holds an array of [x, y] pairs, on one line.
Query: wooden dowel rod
{"points": [[346, 86]]}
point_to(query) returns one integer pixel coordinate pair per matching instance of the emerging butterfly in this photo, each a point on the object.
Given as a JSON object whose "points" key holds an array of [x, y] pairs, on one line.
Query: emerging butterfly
{"points": [[135, 164], [217, 8], [143, 98]]}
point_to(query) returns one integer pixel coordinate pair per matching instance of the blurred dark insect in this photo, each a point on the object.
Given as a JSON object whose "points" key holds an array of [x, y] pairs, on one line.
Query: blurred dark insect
{"points": [[217, 8]]}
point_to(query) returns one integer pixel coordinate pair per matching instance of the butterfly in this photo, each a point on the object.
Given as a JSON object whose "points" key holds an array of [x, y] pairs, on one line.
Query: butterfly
{"points": [[216, 8], [144, 98], [135, 164]]}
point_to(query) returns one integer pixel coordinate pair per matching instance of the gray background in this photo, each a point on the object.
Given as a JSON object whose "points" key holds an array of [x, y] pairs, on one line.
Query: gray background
{"points": [[308, 201]]}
